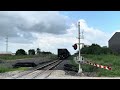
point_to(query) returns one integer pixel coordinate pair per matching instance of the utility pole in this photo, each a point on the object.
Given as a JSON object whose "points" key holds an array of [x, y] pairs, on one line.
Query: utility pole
{"points": [[6, 43], [79, 57]]}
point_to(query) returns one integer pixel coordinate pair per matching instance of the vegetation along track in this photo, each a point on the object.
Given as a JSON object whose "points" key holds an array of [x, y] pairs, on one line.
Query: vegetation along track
{"points": [[34, 73]]}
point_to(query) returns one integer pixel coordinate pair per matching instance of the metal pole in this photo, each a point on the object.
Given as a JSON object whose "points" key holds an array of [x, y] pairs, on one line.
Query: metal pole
{"points": [[80, 69], [6, 44], [79, 37]]}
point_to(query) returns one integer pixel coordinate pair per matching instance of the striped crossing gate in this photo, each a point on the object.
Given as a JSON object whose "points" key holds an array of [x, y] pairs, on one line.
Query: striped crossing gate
{"points": [[97, 65], [94, 64]]}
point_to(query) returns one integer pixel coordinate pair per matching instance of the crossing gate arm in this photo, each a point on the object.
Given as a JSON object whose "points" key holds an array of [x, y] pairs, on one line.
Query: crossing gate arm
{"points": [[96, 65]]}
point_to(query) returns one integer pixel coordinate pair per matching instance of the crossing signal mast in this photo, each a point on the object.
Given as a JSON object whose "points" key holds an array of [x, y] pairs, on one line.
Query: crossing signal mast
{"points": [[80, 36], [79, 57]]}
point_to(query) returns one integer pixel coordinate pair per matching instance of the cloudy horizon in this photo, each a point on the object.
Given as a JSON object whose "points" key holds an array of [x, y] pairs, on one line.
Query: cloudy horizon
{"points": [[47, 30]]}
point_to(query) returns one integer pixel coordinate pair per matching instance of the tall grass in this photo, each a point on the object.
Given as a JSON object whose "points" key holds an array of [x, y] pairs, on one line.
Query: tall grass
{"points": [[107, 60], [6, 69], [14, 57], [71, 58]]}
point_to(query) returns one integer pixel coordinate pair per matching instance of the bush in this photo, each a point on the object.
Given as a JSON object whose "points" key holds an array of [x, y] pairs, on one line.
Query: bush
{"points": [[31, 52], [20, 52], [95, 49]]}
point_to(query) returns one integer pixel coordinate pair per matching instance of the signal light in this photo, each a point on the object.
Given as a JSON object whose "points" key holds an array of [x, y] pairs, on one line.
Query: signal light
{"points": [[75, 46]]}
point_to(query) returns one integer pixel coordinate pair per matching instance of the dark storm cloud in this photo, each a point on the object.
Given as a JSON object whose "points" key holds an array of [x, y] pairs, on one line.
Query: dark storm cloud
{"points": [[46, 22], [17, 24]]}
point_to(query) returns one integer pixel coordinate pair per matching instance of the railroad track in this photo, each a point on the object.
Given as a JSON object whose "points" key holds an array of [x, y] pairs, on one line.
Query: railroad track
{"points": [[41, 71]]}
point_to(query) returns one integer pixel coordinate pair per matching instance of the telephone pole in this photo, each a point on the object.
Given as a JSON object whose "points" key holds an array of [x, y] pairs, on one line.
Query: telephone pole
{"points": [[6, 43]]}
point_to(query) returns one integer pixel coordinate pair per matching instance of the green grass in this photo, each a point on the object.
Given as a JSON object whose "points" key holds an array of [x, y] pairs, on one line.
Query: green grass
{"points": [[73, 63], [71, 60], [5, 69], [107, 60], [14, 57]]}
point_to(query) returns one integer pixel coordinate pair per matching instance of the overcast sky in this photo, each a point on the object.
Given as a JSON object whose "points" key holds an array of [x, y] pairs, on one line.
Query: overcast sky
{"points": [[50, 30]]}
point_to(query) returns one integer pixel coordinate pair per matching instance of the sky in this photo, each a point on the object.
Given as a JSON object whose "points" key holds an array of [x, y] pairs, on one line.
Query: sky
{"points": [[50, 30]]}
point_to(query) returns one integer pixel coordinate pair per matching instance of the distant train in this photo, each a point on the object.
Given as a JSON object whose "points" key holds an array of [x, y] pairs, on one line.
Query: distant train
{"points": [[63, 54]]}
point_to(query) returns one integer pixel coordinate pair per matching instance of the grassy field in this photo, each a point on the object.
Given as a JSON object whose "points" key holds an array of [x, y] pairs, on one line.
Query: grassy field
{"points": [[4, 68], [14, 57], [107, 60]]}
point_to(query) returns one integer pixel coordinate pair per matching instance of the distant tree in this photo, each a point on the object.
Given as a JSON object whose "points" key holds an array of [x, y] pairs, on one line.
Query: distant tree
{"points": [[106, 50], [20, 52], [93, 49], [31, 52], [38, 51], [96, 49]]}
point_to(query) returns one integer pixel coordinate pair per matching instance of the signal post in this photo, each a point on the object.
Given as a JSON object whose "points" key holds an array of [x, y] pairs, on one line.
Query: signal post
{"points": [[79, 57]]}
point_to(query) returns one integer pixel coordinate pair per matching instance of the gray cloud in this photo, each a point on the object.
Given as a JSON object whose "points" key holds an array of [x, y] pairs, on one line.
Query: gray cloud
{"points": [[19, 25]]}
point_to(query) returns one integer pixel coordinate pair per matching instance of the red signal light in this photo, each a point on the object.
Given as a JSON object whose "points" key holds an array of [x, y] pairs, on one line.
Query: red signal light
{"points": [[75, 46]]}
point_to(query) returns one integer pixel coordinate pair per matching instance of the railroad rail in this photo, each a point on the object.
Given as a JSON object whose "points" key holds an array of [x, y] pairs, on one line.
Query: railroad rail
{"points": [[41, 70]]}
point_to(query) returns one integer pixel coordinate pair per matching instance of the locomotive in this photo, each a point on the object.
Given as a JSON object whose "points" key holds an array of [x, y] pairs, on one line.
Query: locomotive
{"points": [[63, 54]]}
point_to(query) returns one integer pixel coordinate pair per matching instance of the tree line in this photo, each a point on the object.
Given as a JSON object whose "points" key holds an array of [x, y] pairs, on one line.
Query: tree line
{"points": [[31, 52], [95, 49]]}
